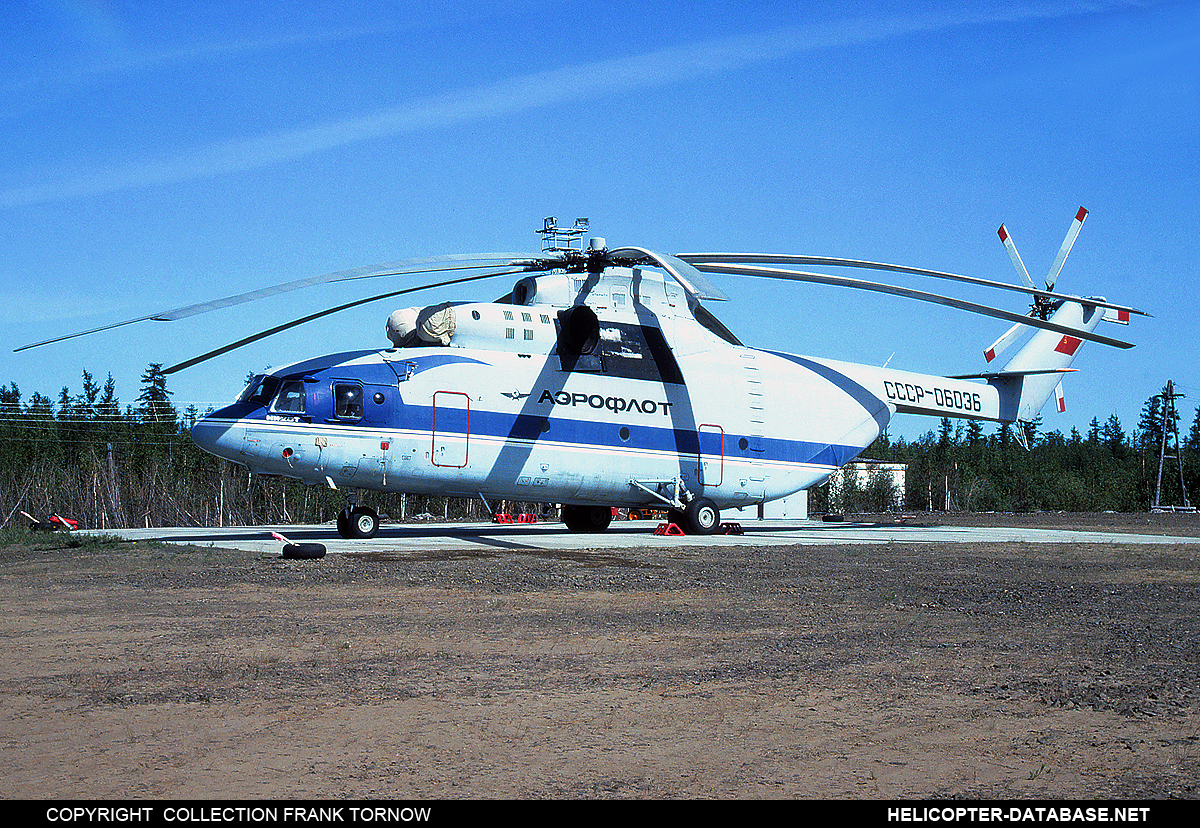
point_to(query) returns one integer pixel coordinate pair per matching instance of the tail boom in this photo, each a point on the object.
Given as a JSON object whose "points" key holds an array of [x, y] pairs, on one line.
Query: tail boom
{"points": [[1015, 393]]}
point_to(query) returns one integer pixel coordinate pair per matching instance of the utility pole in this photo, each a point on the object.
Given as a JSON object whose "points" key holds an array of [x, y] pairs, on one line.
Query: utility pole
{"points": [[1170, 427]]}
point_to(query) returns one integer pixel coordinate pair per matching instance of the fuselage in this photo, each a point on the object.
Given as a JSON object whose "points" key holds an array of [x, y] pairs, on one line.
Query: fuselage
{"points": [[522, 404]]}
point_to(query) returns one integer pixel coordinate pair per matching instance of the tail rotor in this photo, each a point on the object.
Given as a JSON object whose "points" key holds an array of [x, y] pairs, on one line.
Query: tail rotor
{"points": [[1042, 306]]}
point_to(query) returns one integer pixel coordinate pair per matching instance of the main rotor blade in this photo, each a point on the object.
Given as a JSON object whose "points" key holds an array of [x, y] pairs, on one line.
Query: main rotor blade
{"points": [[1067, 244], [435, 264], [698, 259], [233, 346], [688, 277], [841, 281]]}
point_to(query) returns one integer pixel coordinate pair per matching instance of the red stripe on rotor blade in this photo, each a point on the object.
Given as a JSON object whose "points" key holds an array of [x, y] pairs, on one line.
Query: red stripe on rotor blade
{"points": [[1003, 233], [1081, 215], [1068, 345], [989, 355], [1123, 315]]}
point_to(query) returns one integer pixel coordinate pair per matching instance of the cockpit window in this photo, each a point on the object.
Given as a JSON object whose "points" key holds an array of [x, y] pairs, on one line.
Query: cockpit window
{"points": [[260, 390], [348, 401], [291, 398]]}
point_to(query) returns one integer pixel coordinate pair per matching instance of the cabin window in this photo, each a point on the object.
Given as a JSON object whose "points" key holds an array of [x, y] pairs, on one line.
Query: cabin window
{"points": [[348, 401], [290, 399]]}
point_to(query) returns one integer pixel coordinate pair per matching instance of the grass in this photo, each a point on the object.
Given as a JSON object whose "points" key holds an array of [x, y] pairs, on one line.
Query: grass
{"points": [[99, 542]]}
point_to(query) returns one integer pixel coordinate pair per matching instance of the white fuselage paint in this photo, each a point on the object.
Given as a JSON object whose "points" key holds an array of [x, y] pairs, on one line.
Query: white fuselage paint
{"points": [[495, 414]]}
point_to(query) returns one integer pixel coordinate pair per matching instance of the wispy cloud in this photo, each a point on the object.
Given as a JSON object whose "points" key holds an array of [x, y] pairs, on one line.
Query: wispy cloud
{"points": [[565, 85]]}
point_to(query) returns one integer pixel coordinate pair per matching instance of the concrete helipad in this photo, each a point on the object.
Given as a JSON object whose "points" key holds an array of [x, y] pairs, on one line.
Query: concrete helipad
{"points": [[416, 538]]}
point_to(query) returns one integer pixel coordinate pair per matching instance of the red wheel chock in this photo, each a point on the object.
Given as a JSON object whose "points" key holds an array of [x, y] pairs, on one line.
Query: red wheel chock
{"points": [[730, 529], [668, 529]]}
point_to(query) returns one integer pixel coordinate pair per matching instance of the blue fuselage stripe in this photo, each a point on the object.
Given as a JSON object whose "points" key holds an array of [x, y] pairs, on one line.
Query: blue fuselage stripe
{"points": [[605, 435]]}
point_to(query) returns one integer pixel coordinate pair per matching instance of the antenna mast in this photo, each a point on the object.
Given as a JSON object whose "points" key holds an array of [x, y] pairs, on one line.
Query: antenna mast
{"points": [[1170, 423], [557, 239]]}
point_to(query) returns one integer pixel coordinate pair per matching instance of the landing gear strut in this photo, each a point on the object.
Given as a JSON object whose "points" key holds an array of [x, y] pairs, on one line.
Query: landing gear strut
{"points": [[695, 515], [357, 522]]}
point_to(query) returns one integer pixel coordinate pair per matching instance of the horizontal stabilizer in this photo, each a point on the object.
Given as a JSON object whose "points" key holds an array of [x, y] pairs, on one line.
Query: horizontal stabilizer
{"points": [[1118, 315], [987, 375]]}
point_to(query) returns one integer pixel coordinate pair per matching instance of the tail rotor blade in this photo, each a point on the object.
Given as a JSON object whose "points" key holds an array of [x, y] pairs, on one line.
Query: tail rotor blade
{"points": [[1060, 402], [1003, 342], [1014, 255], [1068, 243]]}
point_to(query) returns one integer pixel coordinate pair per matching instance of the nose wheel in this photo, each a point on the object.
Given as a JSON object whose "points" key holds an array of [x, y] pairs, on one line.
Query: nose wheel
{"points": [[699, 517], [357, 522]]}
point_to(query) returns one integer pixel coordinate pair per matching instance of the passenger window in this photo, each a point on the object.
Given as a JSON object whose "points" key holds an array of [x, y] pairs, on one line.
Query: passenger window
{"points": [[348, 401], [291, 398]]}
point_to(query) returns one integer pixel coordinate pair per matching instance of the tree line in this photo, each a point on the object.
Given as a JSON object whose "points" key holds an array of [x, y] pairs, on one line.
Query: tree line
{"points": [[111, 465], [959, 467]]}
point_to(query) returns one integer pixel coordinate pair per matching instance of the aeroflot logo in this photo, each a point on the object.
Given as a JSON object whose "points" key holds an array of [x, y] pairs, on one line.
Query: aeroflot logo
{"points": [[614, 404], [942, 397]]}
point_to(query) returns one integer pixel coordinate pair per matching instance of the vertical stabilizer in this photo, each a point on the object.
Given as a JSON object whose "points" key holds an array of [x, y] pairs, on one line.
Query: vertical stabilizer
{"points": [[1034, 372]]}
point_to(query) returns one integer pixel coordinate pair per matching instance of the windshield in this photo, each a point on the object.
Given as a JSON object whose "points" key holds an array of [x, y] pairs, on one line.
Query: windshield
{"points": [[260, 390]]}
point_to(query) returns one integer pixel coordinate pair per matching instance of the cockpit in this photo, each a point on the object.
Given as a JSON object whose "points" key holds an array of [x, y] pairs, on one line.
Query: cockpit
{"points": [[312, 392], [280, 396]]}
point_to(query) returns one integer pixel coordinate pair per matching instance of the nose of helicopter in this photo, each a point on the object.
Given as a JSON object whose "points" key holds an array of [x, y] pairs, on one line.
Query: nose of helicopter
{"points": [[215, 434]]}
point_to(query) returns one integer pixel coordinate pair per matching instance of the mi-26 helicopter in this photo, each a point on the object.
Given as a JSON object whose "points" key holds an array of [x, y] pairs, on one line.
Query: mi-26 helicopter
{"points": [[602, 380]]}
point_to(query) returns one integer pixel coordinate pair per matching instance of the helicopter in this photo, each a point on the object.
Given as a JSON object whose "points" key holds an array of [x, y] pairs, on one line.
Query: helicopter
{"points": [[602, 380]]}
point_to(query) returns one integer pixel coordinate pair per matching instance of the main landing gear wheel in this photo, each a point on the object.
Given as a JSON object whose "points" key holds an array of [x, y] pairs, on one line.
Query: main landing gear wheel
{"points": [[587, 518], [358, 523], [701, 517]]}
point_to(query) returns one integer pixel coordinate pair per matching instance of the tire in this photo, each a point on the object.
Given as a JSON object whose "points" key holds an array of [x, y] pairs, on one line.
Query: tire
{"points": [[360, 524], [701, 517], [587, 518], [304, 551], [364, 523]]}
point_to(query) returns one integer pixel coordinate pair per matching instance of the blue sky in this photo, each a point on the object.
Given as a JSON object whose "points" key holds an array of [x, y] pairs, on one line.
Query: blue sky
{"points": [[157, 156]]}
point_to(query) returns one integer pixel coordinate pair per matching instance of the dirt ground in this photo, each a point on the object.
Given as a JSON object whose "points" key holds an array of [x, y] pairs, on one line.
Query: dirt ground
{"points": [[894, 671]]}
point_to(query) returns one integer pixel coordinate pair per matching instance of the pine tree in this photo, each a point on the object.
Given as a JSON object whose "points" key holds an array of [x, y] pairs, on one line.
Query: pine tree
{"points": [[1113, 436], [1191, 459], [155, 399], [1150, 425]]}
